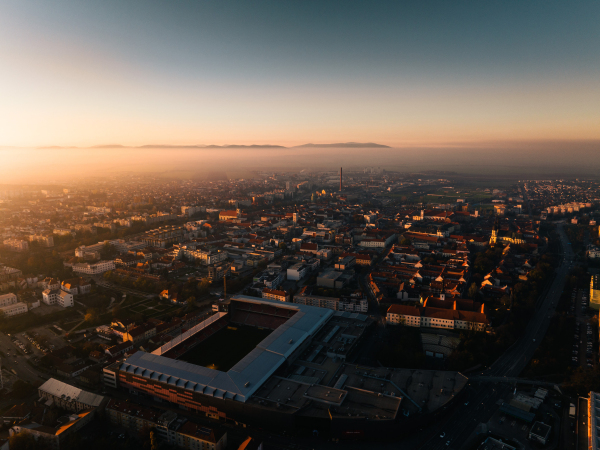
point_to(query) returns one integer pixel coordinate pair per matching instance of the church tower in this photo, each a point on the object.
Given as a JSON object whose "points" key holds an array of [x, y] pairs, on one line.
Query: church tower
{"points": [[494, 237]]}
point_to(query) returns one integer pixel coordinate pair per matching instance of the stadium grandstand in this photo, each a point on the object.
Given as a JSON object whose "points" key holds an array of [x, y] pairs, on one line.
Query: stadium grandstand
{"points": [[272, 364]]}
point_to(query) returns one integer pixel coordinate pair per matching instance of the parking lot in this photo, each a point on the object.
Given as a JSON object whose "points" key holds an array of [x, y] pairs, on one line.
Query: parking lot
{"points": [[583, 353], [16, 360]]}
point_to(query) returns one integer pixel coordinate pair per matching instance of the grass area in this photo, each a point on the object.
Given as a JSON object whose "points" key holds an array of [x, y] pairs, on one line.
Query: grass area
{"points": [[129, 300], [68, 325], [148, 308], [226, 347], [426, 195], [95, 300]]}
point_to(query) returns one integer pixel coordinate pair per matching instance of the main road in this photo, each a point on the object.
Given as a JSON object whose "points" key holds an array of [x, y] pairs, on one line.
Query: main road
{"points": [[514, 360], [482, 397]]}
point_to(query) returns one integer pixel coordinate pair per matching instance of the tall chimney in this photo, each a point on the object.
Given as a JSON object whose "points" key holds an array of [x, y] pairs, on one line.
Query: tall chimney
{"points": [[340, 179]]}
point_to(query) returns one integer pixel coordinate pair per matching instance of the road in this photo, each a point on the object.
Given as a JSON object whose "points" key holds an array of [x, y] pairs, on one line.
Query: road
{"points": [[484, 397], [17, 361], [514, 360]]}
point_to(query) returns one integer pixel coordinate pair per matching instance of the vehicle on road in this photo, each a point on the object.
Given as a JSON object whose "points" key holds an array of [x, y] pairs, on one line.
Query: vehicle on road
{"points": [[572, 411], [443, 435]]}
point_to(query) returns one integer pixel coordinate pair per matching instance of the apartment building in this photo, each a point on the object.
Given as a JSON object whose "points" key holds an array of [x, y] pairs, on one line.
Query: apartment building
{"points": [[140, 333], [52, 431], [16, 245], [76, 286], [170, 429], [57, 297], [317, 301], [346, 303], [166, 236], [204, 256], [433, 317], [297, 271], [8, 299], [69, 397], [50, 283], [14, 309], [218, 271], [274, 294], [595, 292], [94, 268], [43, 241]]}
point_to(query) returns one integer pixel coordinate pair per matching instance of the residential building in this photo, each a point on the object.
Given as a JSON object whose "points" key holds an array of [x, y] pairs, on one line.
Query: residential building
{"points": [[14, 309], [119, 349], [275, 294], [437, 317], [593, 418], [69, 397], [16, 245], [94, 268], [8, 299], [76, 286], [332, 278], [595, 292], [297, 271], [57, 297], [228, 215], [140, 333], [51, 431], [170, 429], [50, 283], [218, 271], [540, 432]]}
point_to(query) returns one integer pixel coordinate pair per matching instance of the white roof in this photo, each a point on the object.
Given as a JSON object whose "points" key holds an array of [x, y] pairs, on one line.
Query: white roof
{"points": [[70, 393]]}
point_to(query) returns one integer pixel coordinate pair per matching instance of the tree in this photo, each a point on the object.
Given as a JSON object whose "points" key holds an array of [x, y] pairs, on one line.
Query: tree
{"points": [[91, 315], [191, 301], [473, 291], [153, 441], [21, 389], [204, 286], [23, 441]]}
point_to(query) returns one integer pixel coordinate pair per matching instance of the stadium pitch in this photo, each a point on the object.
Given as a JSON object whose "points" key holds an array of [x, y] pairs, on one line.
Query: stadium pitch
{"points": [[226, 347]]}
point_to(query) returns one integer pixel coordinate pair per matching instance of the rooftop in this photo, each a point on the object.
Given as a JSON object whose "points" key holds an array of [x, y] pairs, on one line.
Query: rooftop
{"points": [[243, 379]]}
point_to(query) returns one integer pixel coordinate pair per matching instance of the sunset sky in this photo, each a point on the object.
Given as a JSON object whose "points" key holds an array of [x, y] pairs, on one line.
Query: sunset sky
{"points": [[80, 73]]}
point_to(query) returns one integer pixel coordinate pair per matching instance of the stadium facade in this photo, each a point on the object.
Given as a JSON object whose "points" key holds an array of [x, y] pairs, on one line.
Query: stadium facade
{"points": [[297, 376]]}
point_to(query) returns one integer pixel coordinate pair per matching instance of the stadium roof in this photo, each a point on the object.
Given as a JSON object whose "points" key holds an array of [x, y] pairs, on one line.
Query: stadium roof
{"points": [[243, 379]]}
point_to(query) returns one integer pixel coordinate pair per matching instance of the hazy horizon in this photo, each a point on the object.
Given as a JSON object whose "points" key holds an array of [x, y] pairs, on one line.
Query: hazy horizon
{"points": [[510, 159]]}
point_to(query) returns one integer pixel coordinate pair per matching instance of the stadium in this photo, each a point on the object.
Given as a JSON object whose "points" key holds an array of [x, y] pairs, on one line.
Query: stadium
{"points": [[272, 364]]}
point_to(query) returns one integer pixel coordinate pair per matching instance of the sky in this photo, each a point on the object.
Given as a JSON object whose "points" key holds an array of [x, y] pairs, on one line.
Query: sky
{"points": [[137, 72]]}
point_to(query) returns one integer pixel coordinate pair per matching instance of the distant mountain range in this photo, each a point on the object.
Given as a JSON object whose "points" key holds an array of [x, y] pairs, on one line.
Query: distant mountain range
{"points": [[340, 145], [346, 145]]}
